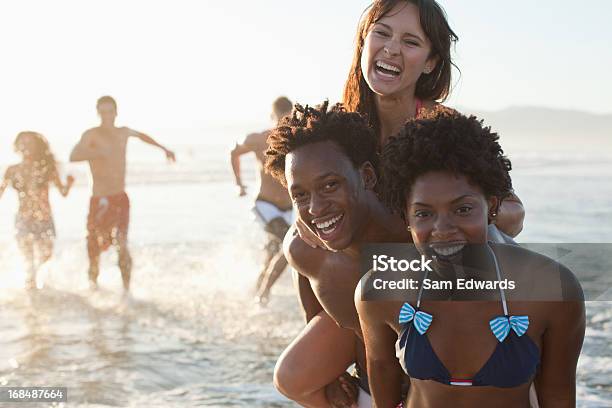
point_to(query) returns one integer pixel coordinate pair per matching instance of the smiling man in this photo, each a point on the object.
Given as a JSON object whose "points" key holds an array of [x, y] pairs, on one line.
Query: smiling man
{"points": [[327, 160]]}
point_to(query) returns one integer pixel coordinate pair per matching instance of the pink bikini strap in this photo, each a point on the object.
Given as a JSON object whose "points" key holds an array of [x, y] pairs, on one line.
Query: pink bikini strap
{"points": [[419, 106]]}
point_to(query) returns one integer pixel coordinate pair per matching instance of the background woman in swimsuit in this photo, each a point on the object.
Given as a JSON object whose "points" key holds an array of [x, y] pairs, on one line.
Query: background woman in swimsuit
{"points": [[447, 176], [31, 179]]}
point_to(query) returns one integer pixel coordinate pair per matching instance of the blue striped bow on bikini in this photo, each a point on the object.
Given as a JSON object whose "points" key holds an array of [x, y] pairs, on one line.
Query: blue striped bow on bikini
{"points": [[422, 320], [500, 326]]}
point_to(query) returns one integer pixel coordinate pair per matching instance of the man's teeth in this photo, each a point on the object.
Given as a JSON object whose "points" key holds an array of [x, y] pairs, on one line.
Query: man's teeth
{"points": [[387, 67], [328, 223], [449, 250]]}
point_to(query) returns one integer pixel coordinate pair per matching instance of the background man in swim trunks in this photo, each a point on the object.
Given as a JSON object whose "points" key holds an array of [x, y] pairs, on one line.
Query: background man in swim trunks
{"points": [[104, 147], [272, 205]]}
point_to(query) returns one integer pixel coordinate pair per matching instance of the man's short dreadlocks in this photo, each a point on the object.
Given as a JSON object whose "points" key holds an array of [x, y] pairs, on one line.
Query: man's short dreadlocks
{"points": [[309, 125]]}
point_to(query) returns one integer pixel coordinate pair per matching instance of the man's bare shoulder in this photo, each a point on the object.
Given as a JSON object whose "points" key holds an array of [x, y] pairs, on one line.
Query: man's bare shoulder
{"points": [[541, 273], [301, 256], [317, 262], [91, 132], [98, 130], [98, 133], [257, 139]]}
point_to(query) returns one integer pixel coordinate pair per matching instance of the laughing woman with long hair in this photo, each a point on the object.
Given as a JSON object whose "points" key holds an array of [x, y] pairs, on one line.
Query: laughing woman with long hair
{"points": [[402, 69]]}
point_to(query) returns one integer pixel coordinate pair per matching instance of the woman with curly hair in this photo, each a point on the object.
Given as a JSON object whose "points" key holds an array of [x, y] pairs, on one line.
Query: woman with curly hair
{"points": [[31, 179], [461, 346]]}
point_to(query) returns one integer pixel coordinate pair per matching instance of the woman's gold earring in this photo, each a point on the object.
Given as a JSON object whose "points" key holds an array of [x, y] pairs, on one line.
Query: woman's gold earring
{"points": [[492, 217], [408, 228]]}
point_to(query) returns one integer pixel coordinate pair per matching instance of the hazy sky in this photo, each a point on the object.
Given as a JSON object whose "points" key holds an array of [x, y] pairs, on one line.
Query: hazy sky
{"points": [[190, 64]]}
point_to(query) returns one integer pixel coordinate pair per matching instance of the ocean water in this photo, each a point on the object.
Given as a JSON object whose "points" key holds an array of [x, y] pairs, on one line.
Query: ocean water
{"points": [[191, 335]]}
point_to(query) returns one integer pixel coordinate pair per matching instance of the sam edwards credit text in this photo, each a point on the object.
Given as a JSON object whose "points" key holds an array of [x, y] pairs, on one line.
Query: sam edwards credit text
{"points": [[459, 284]]}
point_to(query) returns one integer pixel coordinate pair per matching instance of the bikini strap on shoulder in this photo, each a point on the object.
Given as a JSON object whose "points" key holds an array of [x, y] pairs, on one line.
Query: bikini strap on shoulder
{"points": [[499, 278]]}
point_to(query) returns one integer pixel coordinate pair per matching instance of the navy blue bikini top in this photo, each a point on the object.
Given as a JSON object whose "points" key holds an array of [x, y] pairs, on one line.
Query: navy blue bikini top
{"points": [[513, 362]]}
